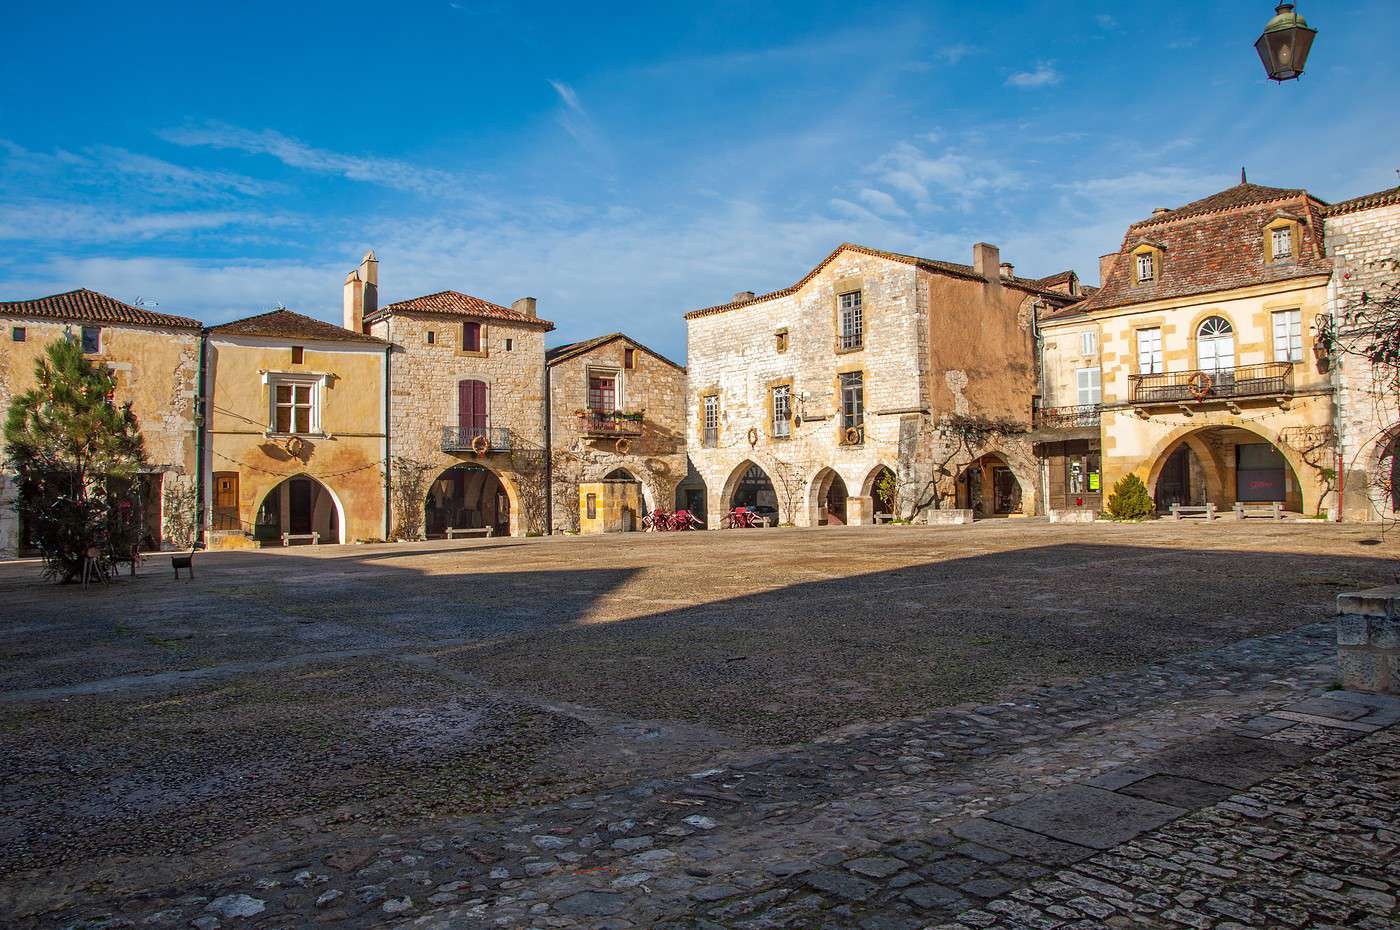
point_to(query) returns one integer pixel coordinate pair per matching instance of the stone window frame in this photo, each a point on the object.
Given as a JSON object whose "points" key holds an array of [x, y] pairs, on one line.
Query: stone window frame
{"points": [[1274, 312], [1147, 326], [1295, 239], [430, 336], [840, 405], [845, 288], [619, 385], [96, 333], [629, 358], [298, 355], [1155, 254], [317, 384], [770, 390], [462, 339], [18, 334], [780, 340]]}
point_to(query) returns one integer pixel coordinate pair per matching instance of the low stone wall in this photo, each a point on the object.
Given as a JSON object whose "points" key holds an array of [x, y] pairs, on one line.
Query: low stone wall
{"points": [[1077, 515], [947, 517], [1368, 640]]}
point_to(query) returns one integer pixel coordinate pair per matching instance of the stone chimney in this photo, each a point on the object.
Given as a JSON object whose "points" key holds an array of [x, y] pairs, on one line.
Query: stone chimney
{"points": [[1106, 266], [1008, 270], [1161, 211], [361, 295], [525, 306], [986, 261], [741, 295]]}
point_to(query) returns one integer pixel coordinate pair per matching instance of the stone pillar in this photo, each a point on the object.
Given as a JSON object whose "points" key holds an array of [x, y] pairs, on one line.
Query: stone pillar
{"points": [[859, 511], [1368, 640]]}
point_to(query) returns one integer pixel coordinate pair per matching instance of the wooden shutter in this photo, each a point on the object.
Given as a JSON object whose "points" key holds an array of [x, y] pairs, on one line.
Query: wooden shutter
{"points": [[471, 404]]}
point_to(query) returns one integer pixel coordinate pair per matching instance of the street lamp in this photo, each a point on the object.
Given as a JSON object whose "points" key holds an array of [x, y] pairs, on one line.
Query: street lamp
{"points": [[1284, 46]]}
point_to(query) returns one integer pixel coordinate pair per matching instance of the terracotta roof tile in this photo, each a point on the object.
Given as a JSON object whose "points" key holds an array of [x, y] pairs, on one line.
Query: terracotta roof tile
{"points": [[1241, 195], [927, 264], [286, 324], [1383, 198], [85, 306], [455, 303], [570, 350], [1213, 249]]}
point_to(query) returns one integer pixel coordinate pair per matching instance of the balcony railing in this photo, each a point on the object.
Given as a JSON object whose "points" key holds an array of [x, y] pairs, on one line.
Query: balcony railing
{"points": [[617, 423], [464, 438], [1053, 418], [1263, 380]]}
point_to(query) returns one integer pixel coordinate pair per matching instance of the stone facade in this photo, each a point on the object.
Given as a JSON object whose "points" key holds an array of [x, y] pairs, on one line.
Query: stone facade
{"points": [[427, 367], [1363, 240], [588, 449], [1368, 640], [939, 340], [156, 370]]}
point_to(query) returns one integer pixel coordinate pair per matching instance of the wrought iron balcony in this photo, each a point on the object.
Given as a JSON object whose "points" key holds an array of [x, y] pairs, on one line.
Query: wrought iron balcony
{"points": [[606, 424], [467, 439], [1269, 379], [1084, 416]]}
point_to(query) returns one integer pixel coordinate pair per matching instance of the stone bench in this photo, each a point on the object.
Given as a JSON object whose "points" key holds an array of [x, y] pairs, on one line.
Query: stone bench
{"points": [[289, 538], [1272, 510], [947, 517], [454, 532], [1368, 640], [1182, 512], [1073, 515]]}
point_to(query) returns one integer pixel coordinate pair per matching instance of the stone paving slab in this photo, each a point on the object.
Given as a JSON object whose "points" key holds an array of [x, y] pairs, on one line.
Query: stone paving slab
{"points": [[1087, 816], [1228, 759], [1187, 793], [1021, 843]]}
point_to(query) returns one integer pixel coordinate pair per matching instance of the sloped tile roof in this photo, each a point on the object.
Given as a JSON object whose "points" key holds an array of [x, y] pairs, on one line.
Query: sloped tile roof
{"points": [[573, 349], [455, 303], [286, 324], [1215, 249], [926, 264], [1383, 198], [85, 306]]}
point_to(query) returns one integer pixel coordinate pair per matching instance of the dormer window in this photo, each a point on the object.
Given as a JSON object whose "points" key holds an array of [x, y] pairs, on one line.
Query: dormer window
{"points": [[1144, 267], [1281, 240]]}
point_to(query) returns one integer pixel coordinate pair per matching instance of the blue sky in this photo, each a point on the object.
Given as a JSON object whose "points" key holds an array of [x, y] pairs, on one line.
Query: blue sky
{"points": [[625, 166]]}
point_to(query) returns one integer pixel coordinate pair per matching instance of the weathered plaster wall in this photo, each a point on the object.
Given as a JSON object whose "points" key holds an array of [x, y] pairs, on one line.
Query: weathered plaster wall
{"points": [[424, 378], [656, 458], [347, 458], [1363, 245], [156, 370]]}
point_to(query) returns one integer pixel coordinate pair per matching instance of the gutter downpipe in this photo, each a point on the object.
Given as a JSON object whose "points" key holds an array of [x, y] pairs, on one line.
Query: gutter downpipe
{"points": [[548, 456], [200, 423], [388, 472]]}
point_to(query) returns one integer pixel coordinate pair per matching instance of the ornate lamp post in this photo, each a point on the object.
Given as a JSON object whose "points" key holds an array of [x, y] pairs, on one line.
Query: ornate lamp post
{"points": [[1284, 46]]}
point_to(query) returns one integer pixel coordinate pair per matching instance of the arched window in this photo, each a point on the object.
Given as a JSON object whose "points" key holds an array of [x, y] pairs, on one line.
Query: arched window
{"points": [[1215, 344]]}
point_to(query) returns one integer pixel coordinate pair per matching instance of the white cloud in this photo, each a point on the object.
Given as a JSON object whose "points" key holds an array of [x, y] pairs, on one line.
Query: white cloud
{"points": [[1043, 75], [954, 175], [63, 221], [1106, 21], [881, 202], [387, 172], [568, 95], [166, 177]]}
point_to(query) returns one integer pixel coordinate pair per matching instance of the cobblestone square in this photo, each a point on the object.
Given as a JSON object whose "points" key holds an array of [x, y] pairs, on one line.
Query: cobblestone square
{"points": [[768, 728]]}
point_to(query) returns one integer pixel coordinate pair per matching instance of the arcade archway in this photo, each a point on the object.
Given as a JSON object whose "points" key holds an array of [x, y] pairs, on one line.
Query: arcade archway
{"points": [[300, 511], [1223, 465], [466, 497], [829, 499], [989, 487]]}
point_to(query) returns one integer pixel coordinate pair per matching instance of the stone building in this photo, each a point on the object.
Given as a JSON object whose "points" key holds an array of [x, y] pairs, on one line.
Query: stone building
{"points": [[155, 358], [1363, 240], [295, 432], [1193, 365], [467, 406], [616, 412], [801, 401]]}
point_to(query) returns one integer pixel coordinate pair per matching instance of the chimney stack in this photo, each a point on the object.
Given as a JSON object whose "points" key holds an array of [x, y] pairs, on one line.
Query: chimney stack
{"points": [[1008, 270], [1106, 266], [1161, 211], [986, 261], [361, 295], [741, 295], [525, 306]]}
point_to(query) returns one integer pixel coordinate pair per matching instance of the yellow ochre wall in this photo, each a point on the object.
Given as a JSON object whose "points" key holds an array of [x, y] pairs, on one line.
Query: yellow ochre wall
{"points": [[348, 459]]}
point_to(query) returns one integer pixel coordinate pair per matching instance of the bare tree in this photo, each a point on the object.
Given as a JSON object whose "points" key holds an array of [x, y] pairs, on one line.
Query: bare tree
{"points": [[408, 488], [789, 482], [956, 440]]}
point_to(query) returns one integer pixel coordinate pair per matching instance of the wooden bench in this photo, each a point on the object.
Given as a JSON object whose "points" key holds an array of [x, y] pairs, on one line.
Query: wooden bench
{"points": [[1181, 512], [1271, 510], [289, 538], [454, 532]]}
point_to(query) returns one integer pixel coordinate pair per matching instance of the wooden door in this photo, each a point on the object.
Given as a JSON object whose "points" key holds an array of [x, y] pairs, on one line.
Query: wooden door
{"points": [[226, 500]]}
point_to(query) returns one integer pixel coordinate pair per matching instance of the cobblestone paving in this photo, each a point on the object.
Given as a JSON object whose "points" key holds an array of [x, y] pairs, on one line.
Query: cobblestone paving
{"points": [[896, 826]]}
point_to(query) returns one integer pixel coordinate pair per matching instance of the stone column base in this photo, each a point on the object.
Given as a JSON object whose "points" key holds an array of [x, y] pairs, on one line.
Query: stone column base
{"points": [[1076, 515], [947, 517], [1368, 640]]}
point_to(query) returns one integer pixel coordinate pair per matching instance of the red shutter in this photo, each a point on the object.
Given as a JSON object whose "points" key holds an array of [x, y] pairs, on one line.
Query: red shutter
{"points": [[471, 405]]}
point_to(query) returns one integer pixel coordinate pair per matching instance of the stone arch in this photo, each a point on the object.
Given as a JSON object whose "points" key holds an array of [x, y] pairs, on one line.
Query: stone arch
{"points": [[1379, 474], [736, 480], [868, 490], [982, 488], [622, 473], [514, 523], [828, 499], [1218, 488], [326, 514]]}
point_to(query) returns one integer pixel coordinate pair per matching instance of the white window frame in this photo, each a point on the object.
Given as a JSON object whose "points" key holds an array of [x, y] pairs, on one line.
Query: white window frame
{"points": [[709, 407], [1146, 267], [1288, 335], [1149, 351], [1088, 384], [315, 384], [782, 424], [1088, 343], [1286, 234], [850, 313], [619, 403]]}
